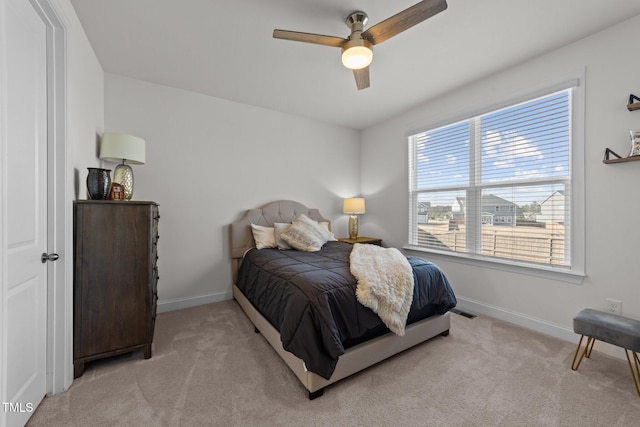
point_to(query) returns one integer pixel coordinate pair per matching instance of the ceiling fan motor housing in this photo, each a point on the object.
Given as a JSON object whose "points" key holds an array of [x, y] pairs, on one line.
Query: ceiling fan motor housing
{"points": [[357, 20]]}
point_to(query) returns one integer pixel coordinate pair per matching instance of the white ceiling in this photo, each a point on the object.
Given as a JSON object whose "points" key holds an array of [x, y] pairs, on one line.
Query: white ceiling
{"points": [[224, 48]]}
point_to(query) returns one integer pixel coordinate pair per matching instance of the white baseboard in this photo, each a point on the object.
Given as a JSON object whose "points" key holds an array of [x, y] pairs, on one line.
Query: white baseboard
{"points": [[177, 304], [538, 325]]}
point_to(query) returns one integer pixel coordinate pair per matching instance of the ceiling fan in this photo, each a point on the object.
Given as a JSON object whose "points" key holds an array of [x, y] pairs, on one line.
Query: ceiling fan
{"points": [[357, 50]]}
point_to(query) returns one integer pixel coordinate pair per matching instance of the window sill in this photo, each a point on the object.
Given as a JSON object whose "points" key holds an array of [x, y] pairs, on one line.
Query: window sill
{"points": [[496, 264]]}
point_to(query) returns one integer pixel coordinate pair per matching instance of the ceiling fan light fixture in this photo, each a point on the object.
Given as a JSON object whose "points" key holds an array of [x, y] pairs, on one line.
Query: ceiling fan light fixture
{"points": [[357, 54]]}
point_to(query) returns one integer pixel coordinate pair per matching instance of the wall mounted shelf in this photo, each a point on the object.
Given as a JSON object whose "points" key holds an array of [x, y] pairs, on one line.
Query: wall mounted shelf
{"points": [[622, 160], [634, 103], [618, 159]]}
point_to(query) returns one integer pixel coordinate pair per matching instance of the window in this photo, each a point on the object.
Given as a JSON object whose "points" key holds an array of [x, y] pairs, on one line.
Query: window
{"points": [[498, 186]]}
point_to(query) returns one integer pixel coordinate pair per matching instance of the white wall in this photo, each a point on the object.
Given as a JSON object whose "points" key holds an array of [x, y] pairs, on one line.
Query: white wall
{"points": [[612, 202], [85, 99], [209, 160]]}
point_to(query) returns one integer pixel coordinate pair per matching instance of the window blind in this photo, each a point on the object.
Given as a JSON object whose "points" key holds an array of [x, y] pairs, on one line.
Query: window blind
{"points": [[496, 185]]}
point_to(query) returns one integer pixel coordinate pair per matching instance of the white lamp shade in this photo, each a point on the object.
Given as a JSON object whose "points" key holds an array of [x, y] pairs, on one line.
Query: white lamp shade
{"points": [[119, 147], [354, 206], [357, 57], [357, 53]]}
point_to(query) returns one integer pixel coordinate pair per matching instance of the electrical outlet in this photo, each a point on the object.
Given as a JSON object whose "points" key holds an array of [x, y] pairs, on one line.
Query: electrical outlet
{"points": [[614, 306]]}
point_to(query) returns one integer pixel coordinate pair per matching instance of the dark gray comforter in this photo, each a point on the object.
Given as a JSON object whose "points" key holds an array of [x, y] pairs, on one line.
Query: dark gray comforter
{"points": [[310, 298]]}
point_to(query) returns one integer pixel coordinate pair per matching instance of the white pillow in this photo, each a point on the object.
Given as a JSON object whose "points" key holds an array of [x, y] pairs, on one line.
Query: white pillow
{"points": [[305, 234], [279, 228], [325, 225], [264, 236]]}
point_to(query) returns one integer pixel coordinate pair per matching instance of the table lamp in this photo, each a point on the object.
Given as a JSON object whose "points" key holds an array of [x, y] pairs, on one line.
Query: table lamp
{"points": [[353, 206], [128, 149]]}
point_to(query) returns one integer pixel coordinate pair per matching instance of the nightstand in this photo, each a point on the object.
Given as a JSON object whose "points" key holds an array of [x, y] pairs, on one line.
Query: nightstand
{"points": [[362, 239]]}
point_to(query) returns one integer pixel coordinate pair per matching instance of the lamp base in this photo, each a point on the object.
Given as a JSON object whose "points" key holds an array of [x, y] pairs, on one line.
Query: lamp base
{"points": [[123, 175], [353, 227]]}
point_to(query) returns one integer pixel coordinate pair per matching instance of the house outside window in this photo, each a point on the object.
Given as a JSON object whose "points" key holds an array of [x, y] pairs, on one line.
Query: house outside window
{"points": [[505, 178]]}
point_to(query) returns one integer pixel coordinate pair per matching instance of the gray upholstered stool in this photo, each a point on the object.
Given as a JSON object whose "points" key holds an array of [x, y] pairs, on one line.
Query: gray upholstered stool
{"points": [[610, 328]]}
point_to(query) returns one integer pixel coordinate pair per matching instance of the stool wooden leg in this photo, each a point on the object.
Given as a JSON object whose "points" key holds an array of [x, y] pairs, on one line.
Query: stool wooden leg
{"points": [[585, 353], [635, 373]]}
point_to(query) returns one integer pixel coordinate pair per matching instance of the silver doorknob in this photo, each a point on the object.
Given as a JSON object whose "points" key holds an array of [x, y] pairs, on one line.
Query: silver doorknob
{"points": [[49, 257]]}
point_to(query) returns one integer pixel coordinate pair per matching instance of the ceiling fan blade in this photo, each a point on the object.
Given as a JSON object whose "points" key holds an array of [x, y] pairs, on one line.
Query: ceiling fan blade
{"points": [[309, 38], [404, 20], [362, 78]]}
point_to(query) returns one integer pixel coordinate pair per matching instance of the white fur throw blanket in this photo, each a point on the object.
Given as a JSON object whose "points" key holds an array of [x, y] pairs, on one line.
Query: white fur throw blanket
{"points": [[385, 283]]}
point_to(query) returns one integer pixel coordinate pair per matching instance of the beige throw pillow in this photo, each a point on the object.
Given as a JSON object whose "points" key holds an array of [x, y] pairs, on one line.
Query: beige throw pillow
{"points": [[305, 234], [263, 236], [279, 228], [325, 226]]}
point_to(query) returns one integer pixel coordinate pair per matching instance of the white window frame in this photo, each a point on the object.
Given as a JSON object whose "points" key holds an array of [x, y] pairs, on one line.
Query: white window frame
{"points": [[575, 272]]}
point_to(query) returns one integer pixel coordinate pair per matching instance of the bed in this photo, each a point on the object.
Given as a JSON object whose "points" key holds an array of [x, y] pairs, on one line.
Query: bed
{"points": [[319, 329]]}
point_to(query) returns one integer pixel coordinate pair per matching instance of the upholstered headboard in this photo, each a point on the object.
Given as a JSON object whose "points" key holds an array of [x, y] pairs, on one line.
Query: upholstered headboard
{"points": [[241, 237]]}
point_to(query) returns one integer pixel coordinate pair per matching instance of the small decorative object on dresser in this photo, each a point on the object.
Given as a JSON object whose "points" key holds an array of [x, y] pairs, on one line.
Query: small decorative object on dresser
{"points": [[117, 191], [98, 183], [362, 239], [115, 279]]}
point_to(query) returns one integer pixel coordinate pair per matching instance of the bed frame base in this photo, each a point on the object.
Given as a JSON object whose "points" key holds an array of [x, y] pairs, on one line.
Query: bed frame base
{"points": [[355, 358]]}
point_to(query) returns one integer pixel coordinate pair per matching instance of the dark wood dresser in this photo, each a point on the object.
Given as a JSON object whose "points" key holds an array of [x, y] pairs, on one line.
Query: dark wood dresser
{"points": [[115, 278]]}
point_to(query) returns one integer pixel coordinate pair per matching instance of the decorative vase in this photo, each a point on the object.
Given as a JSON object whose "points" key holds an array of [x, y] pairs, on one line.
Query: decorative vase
{"points": [[635, 143], [98, 183]]}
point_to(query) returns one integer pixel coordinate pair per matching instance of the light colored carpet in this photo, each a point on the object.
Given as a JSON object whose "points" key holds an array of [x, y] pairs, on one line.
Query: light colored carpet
{"points": [[209, 367]]}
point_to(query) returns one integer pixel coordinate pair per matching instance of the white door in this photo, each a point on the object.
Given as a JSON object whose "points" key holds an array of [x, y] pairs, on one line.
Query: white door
{"points": [[23, 124]]}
